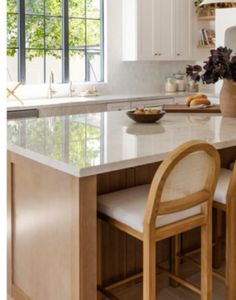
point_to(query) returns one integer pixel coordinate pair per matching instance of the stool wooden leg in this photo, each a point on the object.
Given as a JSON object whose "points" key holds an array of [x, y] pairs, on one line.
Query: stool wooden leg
{"points": [[206, 258], [149, 269], [231, 250], [175, 260], [99, 257], [217, 232]]}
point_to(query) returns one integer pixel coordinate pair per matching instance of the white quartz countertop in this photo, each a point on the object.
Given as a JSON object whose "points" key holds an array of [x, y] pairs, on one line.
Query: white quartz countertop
{"points": [[89, 144], [41, 103]]}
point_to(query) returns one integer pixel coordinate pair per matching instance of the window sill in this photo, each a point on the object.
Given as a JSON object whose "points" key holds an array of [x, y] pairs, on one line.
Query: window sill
{"points": [[40, 91]]}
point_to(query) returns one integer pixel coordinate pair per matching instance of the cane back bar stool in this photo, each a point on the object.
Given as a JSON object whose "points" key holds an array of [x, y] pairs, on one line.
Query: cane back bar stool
{"points": [[178, 199], [225, 201]]}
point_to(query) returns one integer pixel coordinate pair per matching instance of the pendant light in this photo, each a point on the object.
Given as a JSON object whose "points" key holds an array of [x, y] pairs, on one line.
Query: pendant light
{"points": [[207, 2]]}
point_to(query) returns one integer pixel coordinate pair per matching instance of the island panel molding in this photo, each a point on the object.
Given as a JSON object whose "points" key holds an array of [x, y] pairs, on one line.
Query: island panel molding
{"points": [[48, 223]]}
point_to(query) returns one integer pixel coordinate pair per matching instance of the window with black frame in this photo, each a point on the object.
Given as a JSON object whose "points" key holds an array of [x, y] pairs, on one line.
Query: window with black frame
{"points": [[63, 36]]}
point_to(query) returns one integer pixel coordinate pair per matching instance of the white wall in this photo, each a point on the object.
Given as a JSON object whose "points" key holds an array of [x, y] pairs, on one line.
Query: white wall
{"points": [[225, 32]]}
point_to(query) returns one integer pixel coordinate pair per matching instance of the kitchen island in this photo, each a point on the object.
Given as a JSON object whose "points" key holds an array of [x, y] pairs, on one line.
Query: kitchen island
{"points": [[56, 168]]}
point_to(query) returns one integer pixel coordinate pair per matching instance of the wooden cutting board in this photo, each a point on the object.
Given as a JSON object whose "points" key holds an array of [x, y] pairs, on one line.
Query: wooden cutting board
{"points": [[174, 108]]}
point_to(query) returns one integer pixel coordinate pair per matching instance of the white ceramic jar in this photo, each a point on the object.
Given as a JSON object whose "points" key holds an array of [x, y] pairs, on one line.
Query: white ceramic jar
{"points": [[170, 85], [180, 82]]}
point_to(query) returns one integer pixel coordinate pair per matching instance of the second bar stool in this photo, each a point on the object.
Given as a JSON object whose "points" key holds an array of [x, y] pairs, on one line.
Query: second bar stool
{"points": [[225, 201], [178, 199]]}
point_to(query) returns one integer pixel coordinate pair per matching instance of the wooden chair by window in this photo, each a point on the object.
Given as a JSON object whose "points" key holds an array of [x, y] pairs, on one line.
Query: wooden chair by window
{"points": [[225, 202], [178, 199]]}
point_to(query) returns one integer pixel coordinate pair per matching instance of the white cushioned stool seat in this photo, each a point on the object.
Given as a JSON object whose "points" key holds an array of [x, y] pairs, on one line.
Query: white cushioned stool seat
{"points": [[128, 207], [222, 186]]}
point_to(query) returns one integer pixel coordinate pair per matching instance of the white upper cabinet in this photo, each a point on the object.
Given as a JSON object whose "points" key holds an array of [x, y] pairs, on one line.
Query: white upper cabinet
{"points": [[137, 27], [183, 28], [163, 29], [157, 29]]}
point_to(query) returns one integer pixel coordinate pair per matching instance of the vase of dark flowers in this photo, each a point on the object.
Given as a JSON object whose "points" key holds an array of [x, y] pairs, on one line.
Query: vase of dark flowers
{"points": [[221, 64], [193, 76]]}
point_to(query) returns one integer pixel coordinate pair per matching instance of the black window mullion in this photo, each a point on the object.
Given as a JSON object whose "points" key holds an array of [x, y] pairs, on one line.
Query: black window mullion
{"points": [[102, 40], [65, 41], [44, 42], [86, 49], [21, 42]]}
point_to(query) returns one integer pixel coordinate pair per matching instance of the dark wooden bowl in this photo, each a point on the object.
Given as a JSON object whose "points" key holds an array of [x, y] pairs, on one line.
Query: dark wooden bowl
{"points": [[145, 118]]}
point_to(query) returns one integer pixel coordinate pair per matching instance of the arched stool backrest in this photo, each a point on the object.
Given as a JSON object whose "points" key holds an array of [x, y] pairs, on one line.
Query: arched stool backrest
{"points": [[185, 179], [231, 193], [231, 236]]}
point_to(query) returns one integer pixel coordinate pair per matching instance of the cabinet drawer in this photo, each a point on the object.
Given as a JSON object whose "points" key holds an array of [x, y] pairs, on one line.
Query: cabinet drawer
{"points": [[71, 110], [152, 102], [180, 100], [118, 106]]}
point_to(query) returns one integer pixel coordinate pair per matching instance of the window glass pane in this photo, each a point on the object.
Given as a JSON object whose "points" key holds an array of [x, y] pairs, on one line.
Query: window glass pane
{"points": [[34, 31], [34, 7], [77, 66], [76, 33], [93, 9], [53, 33], [76, 8], [53, 7], [93, 32], [11, 6], [34, 66], [94, 67], [12, 65], [11, 30], [54, 64]]}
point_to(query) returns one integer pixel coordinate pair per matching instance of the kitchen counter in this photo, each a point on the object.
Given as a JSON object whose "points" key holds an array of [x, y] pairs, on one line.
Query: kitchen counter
{"points": [[111, 140], [75, 100], [58, 166]]}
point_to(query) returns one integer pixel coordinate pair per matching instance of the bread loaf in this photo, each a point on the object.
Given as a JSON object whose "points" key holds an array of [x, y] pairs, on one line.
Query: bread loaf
{"points": [[200, 101], [197, 96]]}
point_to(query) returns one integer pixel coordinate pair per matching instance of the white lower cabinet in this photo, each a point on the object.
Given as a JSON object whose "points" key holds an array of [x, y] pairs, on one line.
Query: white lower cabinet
{"points": [[71, 110], [150, 103], [180, 100], [118, 106], [61, 110]]}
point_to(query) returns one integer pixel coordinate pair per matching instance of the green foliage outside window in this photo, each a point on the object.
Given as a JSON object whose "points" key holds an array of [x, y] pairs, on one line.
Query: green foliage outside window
{"points": [[50, 25]]}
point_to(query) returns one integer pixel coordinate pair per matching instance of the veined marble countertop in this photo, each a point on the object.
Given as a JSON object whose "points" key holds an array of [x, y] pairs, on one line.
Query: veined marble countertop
{"points": [[75, 100], [89, 144]]}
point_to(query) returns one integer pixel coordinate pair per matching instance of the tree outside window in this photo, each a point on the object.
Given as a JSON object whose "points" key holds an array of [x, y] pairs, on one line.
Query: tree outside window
{"points": [[63, 36]]}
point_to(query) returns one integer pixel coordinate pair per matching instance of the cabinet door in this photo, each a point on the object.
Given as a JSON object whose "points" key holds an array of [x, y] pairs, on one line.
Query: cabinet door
{"points": [[163, 33], [151, 103], [118, 106], [183, 29], [64, 110], [136, 30]]}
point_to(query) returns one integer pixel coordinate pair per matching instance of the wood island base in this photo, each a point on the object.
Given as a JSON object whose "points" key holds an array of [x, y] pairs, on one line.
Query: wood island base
{"points": [[52, 231]]}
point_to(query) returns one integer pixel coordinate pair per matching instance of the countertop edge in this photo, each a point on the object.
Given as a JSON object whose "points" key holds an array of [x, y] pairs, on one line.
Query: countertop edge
{"points": [[95, 170]]}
